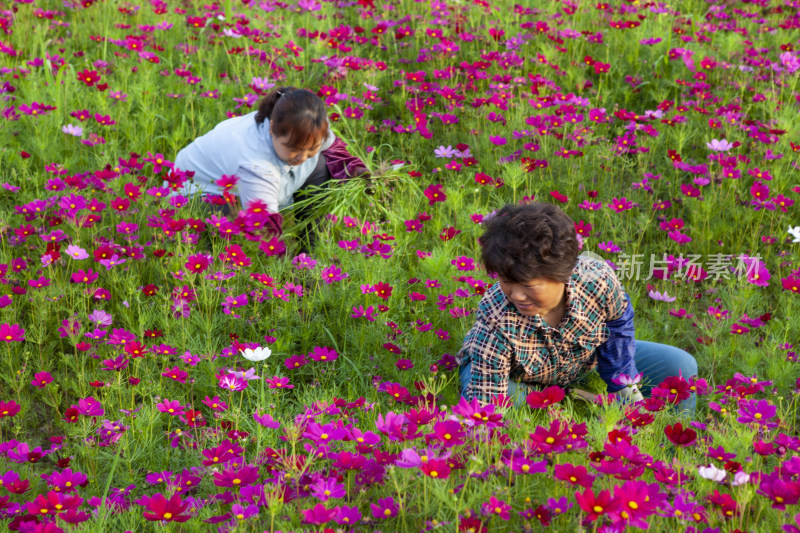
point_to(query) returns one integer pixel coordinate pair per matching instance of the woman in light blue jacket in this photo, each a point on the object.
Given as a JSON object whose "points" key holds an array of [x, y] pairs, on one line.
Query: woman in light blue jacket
{"points": [[274, 152]]}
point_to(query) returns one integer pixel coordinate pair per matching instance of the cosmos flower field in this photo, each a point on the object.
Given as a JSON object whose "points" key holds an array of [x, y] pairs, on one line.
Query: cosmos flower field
{"points": [[165, 368]]}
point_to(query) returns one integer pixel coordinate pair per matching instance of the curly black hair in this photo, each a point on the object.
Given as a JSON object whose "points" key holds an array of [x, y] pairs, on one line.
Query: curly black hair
{"points": [[526, 242]]}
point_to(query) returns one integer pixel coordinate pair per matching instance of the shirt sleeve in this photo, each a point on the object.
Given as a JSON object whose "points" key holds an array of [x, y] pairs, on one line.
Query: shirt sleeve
{"points": [[490, 355], [259, 182], [616, 299], [341, 164], [617, 355]]}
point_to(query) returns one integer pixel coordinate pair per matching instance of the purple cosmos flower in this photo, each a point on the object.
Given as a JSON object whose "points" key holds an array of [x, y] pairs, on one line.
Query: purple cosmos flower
{"points": [[651, 41], [101, 318], [248, 375], [446, 152], [384, 508], [721, 145], [559, 506], [243, 513], [325, 489], [790, 62], [757, 412], [661, 297], [75, 131], [266, 421], [347, 515]]}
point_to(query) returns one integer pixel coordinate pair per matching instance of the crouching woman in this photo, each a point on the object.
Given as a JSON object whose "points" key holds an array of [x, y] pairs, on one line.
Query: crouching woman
{"points": [[554, 315], [282, 151]]}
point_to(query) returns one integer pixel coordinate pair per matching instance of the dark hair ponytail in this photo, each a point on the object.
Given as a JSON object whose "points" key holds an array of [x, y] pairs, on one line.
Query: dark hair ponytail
{"points": [[295, 113]]}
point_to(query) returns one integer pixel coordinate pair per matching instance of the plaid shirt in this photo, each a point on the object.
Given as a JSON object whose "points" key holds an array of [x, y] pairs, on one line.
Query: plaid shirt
{"points": [[504, 344]]}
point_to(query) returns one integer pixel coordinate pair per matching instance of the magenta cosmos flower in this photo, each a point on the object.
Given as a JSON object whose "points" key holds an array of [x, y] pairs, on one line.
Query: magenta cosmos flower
{"points": [[11, 333]]}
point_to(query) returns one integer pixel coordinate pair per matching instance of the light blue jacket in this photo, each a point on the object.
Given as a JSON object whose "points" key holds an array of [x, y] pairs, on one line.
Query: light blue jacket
{"points": [[241, 147]]}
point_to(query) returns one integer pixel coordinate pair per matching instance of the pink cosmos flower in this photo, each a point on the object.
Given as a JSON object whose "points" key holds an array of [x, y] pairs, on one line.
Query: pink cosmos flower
{"points": [[496, 507], [368, 313], [278, 382], [9, 408], [318, 514], [596, 506], [176, 374], [41, 379], [171, 407], [231, 383], [757, 272], [11, 333], [333, 273], [322, 353], [620, 204]]}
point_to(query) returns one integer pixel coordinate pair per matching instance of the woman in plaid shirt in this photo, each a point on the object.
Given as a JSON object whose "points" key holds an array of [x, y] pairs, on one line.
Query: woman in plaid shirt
{"points": [[554, 315]]}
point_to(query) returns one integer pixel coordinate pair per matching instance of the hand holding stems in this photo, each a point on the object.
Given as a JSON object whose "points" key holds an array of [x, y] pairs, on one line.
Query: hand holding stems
{"points": [[630, 394]]}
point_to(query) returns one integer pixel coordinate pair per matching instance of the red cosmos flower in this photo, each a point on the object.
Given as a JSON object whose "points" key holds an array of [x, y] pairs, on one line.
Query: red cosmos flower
{"points": [[448, 233], [89, 77], [791, 283], [472, 524], [483, 179], [436, 468], [449, 433], [553, 439], [680, 436], [639, 419], [396, 391], [120, 204], [435, 193], [596, 506], [383, 290], [673, 389], [197, 263], [159, 508], [175, 373], [583, 228], [9, 408], [71, 415], [545, 398], [193, 418], [574, 475], [725, 503]]}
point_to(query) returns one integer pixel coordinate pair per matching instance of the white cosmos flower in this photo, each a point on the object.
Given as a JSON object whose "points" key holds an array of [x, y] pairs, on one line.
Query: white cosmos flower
{"points": [[259, 354], [795, 232], [740, 478], [712, 472]]}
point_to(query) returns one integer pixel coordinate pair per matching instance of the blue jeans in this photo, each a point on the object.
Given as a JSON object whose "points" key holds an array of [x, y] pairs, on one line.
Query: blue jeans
{"points": [[655, 361]]}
